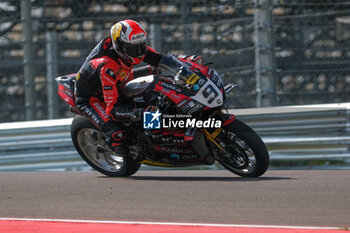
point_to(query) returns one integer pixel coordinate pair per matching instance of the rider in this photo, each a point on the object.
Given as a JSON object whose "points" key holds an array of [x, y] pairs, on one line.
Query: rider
{"points": [[110, 65]]}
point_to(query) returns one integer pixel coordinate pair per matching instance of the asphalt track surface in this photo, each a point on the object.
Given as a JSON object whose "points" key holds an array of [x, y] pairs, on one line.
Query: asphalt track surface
{"points": [[293, 198]]}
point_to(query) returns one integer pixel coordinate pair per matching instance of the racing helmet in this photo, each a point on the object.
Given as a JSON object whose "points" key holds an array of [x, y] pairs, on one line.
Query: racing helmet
{"points": [[129, 40]]}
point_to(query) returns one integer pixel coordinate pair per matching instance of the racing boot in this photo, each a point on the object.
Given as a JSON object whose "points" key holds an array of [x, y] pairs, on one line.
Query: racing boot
{"points": [[117, 143], [121, 150], [115, 135]]}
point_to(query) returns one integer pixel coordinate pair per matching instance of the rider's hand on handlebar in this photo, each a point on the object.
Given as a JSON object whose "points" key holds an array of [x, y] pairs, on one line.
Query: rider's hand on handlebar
{"points": [[156, 70], [194, 58]]}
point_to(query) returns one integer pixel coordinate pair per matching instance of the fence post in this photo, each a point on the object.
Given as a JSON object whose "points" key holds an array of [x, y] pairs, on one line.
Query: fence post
{"points": [[185, 21], [27, 39], [51, 61], [156, 39], [265, 61]]}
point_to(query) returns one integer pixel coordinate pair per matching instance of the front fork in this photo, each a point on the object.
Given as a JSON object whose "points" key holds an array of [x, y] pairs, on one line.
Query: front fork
{"points": [[226, 119]]}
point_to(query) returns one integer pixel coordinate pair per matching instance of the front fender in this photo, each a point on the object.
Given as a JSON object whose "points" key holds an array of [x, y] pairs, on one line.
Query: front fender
{"points": [[227, 119]]}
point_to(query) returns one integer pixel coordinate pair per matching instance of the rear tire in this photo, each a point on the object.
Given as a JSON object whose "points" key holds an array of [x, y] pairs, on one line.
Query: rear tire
{"points": [[247, 154], [91, 146]]}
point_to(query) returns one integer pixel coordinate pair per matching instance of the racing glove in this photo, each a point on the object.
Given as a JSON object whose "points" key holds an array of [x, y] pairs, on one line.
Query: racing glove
{"points": [[194, 58]]}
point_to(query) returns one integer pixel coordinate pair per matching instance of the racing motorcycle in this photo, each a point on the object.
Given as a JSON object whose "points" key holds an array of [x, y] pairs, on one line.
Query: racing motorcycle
{"points": [[190, 122]]}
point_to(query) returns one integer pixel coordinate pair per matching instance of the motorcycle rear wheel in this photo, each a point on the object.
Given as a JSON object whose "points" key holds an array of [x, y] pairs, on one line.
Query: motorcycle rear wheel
{"points": [[91, 146], [245, 153]]}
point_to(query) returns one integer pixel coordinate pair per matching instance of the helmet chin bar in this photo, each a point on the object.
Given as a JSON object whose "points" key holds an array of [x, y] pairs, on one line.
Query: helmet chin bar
{"points": [[124, 62], [125, 59], [122, 58], [128, 61]]}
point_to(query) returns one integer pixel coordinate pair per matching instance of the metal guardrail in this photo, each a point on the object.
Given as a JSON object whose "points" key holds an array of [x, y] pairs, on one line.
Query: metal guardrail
{"points": [[291, 133], [38, 145]]}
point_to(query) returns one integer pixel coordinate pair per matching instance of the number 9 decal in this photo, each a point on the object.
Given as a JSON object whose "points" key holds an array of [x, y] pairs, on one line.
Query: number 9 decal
{"points": [[209, 93]]}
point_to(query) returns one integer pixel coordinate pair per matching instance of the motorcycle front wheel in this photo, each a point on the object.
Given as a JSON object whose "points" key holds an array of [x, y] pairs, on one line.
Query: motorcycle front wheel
{"points": [[244, 154], [91, 146]]}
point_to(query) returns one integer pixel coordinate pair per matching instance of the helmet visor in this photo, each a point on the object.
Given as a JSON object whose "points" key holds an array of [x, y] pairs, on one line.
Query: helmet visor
{"points": [[133, 50]]}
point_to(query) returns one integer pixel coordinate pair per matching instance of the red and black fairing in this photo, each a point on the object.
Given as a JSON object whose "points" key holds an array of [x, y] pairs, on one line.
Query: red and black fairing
{"points": [[66, 88], [194, 78], [170, 146]]}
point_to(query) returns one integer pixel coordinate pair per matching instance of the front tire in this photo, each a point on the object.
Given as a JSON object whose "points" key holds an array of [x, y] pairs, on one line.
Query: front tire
{"points": [[91, 146], [245, 154]]}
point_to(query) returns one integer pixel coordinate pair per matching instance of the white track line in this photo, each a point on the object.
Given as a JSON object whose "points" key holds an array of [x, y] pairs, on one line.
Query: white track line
{"points": [[170, 223]]}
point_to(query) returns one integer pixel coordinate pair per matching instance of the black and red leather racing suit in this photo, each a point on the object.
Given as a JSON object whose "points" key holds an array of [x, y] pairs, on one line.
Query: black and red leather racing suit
{"points": [[97, 90]]}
